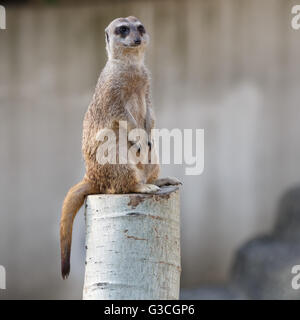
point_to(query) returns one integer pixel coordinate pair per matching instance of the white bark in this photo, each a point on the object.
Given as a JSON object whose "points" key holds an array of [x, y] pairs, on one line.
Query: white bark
{"points": [[133, 246]]}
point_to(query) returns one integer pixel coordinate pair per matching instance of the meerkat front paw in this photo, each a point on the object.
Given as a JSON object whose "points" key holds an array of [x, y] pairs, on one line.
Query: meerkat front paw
{"points": [[145, 188], [169, 181]]}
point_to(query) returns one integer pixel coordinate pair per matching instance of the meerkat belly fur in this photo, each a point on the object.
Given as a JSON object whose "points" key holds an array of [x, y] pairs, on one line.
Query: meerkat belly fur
{"points": [[122, 94]]}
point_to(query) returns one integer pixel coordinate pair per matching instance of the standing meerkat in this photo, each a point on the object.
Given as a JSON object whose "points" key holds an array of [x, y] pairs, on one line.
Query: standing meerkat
{"points": [[122, 94]]}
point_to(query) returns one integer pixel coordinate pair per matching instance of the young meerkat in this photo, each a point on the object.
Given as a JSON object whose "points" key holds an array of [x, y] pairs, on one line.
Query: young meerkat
{"points": [[122, 94]]}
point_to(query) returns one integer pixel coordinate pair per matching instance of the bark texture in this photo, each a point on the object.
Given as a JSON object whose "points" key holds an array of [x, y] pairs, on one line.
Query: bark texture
{"points": [[133, 246]]}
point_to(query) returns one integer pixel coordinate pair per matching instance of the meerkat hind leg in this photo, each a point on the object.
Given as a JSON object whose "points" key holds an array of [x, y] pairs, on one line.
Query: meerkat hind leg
{"points": [[145, 188], [169, 181]]}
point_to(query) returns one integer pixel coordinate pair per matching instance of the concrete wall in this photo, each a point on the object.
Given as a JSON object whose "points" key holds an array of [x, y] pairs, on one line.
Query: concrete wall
{"points": [[229, 67]]}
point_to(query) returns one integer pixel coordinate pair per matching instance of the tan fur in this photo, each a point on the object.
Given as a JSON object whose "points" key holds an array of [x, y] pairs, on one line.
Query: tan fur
{"points": [[72, 203], [122, 93]]}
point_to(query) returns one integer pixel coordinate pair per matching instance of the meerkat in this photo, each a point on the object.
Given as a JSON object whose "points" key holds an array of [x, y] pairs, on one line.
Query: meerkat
{"points": [[122, 94]]}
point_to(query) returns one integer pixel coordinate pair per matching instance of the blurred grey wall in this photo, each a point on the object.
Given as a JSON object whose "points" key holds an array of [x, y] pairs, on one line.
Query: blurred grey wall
{"points": [[229, 67]]}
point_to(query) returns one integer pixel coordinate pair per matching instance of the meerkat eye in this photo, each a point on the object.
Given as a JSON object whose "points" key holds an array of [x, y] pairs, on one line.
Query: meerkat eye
{"points": [[141, 29], [123, 30]]}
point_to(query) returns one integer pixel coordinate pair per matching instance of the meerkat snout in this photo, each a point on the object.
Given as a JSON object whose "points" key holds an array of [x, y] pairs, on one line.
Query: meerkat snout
{"points": [[125, 35], [137, 41]]}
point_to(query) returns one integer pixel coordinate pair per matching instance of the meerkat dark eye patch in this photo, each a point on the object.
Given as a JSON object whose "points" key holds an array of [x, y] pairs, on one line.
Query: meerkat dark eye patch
{"points": [[123, 31], [141, 29]]}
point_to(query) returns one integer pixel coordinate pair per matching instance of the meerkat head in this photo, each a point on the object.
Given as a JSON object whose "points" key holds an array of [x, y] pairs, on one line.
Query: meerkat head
{"points": [[126, 38]]}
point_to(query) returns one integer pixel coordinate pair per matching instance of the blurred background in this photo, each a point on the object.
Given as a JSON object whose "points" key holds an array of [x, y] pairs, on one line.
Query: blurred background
{"points": [[228, 67]]}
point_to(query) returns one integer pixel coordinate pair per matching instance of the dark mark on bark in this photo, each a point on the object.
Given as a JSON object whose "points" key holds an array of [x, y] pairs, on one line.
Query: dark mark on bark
{"points": [[163, 193], [134, 214], [136, 200], [102, 284], [170, 264], [155, 217], [133, 237]]}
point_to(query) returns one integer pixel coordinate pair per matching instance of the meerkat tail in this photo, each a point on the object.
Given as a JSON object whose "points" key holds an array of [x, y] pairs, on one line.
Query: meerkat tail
{"points": [[72, 203]]}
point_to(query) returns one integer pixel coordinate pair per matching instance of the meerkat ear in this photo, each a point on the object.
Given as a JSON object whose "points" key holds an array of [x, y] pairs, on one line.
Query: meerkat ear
{"points": [[106, 36]]}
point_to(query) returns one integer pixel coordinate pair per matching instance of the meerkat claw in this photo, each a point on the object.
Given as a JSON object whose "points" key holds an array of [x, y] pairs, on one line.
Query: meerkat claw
{"points": [[146, 188], [169, 181]]}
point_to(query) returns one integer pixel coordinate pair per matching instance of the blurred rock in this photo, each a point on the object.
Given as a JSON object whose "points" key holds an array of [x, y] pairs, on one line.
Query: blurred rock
{"points": [[288, 220], [262, 268]]}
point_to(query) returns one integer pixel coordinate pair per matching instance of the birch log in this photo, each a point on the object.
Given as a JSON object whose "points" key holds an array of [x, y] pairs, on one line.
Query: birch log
{"points": [[133, 246]]}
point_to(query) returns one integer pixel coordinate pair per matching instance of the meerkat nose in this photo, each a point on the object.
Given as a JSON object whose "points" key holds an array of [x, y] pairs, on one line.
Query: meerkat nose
{"points": [[137, 41]]}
